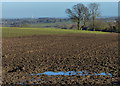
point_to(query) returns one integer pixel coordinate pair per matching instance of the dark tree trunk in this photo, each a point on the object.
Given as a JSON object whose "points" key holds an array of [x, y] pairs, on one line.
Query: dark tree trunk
{"points": [[93, 23], [81, 27], [84, 23], [78, 25]]}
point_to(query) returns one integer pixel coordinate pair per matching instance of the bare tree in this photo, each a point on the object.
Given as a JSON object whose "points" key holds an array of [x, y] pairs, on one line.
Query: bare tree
{"points": [[78, 14], [86, 16], [94, 12]]}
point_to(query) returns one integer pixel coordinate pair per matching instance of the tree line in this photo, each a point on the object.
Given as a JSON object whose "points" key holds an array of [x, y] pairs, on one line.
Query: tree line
{"points": [[82, 14]]}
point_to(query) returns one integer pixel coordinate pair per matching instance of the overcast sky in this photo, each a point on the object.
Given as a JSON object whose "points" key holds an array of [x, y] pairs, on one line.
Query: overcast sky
{"points": [[50, 9]]}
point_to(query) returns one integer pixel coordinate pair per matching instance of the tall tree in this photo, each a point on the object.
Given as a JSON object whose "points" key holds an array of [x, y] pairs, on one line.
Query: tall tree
{"points": [[86, 16], [77, 13], [94, 12]]}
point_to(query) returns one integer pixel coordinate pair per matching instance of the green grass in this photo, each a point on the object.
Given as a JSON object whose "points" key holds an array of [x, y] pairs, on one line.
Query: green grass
{"points": [[16, 31]]}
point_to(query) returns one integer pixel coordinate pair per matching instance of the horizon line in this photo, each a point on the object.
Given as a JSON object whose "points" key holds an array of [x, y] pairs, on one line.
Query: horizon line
{"points": [[54, 17]]}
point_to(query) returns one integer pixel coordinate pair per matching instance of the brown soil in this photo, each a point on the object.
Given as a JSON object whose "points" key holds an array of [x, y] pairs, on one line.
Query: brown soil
{"points": [[23, 56]]}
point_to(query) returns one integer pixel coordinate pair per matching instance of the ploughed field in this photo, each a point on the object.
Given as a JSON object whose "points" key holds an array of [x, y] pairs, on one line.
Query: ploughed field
{"points": [[95, 53]]}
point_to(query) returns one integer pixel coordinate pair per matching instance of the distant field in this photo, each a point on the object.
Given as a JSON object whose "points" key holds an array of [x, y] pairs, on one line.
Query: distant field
{"points": [[60, 25], [50, 24], [17, 31]]}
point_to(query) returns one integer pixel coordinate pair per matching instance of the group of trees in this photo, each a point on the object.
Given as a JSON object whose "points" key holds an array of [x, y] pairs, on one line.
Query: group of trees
{"points": [[82, 14]]}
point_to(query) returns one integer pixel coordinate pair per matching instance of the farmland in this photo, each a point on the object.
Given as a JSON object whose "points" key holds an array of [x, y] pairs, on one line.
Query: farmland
{"points": [[29, 51], [17, 31], [59, 44]]}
